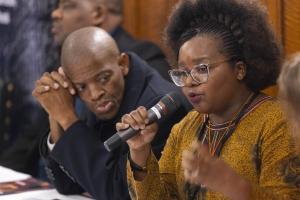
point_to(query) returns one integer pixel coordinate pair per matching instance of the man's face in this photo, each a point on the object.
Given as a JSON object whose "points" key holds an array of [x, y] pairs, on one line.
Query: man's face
{"points": [[71, 15], [100, 84]]}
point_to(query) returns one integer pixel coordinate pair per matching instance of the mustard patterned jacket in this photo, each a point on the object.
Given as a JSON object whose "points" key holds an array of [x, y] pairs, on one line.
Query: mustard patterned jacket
{"points": [[260, 150]]}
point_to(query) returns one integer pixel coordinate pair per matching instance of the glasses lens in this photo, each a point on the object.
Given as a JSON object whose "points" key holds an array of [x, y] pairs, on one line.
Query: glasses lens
{"points": [[200, 73], [178, 77]]}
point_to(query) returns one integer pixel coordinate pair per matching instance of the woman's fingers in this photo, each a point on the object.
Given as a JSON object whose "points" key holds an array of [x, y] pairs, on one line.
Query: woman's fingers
{"points": [[128, 119], [121, 126], [188, 159], [139, 116], [196, 162], [136, 119]]}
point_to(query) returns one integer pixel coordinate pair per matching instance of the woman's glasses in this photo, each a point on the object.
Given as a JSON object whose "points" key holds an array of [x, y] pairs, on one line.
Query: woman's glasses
{"points": [[199, 74]]}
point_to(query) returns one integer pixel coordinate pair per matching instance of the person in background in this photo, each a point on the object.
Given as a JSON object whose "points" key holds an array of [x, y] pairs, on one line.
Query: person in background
{"points": [[110, 84], [71, 15], [235, 143], [24, 46], [289, 93]]}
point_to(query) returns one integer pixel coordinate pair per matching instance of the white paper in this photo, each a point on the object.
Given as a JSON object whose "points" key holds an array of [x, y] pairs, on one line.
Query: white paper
{"points": [[50, 194], [8, 175]]}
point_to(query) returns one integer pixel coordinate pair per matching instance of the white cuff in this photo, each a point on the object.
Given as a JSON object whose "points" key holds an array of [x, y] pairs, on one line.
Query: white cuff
{"points": [[50, 146]]}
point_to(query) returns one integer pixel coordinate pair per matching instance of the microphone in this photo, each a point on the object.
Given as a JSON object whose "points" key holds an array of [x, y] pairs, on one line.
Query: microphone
{"points": [[164, 108]]}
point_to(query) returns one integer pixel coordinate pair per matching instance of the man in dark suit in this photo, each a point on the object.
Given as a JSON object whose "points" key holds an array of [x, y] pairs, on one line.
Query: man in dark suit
{"points": [[110, 84], [71, 15]]}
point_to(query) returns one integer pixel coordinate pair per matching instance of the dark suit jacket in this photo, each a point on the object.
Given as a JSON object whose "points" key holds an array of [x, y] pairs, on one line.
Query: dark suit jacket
{"points": [[148, 51], [23, 154], [80, 163]]}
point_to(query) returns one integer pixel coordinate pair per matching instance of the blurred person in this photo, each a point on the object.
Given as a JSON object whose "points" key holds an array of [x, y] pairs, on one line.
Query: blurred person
{"points": [[71, 15], [289, 93], [110, 84], [24, 46], [235, 143]]}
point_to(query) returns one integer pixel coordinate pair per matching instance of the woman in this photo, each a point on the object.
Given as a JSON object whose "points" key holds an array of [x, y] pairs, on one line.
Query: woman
{"points": [[235, 142], [289, 92]]}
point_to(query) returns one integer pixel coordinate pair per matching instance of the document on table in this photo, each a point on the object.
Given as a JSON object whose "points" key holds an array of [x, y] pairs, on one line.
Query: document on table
{"points": [[51, 194], [8, 175], [18, 186]]}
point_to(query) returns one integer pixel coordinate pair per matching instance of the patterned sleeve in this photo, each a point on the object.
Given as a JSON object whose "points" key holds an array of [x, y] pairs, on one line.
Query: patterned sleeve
{"points": [[160, 182], [278, 165]]}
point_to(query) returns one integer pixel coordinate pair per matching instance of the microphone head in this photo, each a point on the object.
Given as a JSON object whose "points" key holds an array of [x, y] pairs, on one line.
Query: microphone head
{"points": [[113, 142], [171, 102]]}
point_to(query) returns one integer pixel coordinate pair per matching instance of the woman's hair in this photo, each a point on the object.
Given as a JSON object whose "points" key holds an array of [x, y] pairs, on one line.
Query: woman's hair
{"points": [[289, 93], [243, 28]]}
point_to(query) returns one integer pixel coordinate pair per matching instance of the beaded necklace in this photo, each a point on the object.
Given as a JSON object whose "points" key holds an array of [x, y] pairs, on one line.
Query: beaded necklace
{"points": [[214, 134], [217, 143]]}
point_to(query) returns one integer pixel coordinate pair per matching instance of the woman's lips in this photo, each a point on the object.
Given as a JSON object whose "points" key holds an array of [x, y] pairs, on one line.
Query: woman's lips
{"points": [[195, 98]]}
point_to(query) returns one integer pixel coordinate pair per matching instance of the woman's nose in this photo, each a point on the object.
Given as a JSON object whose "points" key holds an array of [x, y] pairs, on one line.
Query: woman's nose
{"points": [[189, 81]]}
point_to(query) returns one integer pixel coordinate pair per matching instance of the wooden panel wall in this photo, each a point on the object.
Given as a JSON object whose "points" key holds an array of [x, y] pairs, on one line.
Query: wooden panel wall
{"points": [[275, 8], [146, 19], [291, 24]]}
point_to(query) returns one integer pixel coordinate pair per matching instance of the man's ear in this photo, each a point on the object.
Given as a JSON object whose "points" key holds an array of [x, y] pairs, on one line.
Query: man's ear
{"points": [[124, 62], [241, 70], [99, 14]]}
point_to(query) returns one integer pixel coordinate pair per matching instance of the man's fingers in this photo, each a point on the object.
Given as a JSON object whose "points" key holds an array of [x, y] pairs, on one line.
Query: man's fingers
{"points": [[59, 78], [40, 90], [63, 81], [61, 71], [47, 80]]}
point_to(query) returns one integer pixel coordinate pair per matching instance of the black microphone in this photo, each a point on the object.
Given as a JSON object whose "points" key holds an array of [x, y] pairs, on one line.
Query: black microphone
{"points": [[164, 108]]}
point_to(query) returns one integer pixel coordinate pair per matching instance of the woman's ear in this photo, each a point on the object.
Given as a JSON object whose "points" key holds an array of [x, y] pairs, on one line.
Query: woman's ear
{"points": [[124, 63], [241, 70]]}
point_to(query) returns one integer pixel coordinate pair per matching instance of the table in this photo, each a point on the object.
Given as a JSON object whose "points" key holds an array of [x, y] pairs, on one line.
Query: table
{"points": [[18, 186]]}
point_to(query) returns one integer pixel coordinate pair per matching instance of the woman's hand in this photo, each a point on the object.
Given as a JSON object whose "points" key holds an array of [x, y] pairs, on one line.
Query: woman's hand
{"points": [[140, 145], [201, 168]]}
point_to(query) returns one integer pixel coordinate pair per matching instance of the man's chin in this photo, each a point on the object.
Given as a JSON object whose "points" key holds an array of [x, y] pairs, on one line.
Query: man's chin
{"points": [[106, 116], [58, 40]]}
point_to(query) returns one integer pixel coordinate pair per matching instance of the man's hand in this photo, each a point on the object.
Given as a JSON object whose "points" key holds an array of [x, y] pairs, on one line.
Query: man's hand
{"points": [[55, 80], [54, 93]]}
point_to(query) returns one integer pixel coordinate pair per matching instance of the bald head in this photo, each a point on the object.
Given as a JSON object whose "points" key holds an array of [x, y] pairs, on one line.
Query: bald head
{"points": [[87, 44], [92, 62]]}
